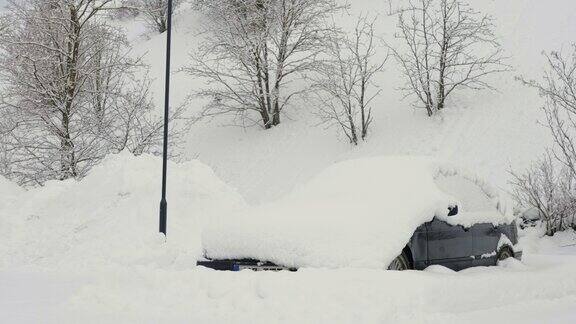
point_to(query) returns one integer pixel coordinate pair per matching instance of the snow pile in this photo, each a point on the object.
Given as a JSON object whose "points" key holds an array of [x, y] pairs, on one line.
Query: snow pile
{"points": [[112, 216], [358, 213]]}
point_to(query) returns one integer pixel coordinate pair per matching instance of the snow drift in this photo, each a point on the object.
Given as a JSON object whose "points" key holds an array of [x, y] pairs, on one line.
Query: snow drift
{"points": [[358, 213], [111, 216]]}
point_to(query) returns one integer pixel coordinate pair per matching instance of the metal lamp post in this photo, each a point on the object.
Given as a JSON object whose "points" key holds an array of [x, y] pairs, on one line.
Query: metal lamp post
{"points": [[164, 202]]}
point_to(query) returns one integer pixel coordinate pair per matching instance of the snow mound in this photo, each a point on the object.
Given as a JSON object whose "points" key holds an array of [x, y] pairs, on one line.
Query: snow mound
{"points": [[111, 217], [357, 213]]}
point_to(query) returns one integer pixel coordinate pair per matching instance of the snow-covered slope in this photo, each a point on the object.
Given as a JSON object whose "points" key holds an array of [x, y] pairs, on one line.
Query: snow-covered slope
{"points": [[486, 131]]}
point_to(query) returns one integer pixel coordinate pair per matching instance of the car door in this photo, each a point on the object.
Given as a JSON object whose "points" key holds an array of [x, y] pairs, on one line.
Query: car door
{"points": [[450, 246], [484, 243]]}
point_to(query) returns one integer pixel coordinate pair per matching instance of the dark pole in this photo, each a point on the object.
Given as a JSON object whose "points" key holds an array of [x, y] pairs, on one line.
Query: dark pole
{"points": [[163, 202]]}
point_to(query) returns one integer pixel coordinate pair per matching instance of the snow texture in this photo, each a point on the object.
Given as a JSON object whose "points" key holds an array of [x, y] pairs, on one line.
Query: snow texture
{"points": [[110, 217]]}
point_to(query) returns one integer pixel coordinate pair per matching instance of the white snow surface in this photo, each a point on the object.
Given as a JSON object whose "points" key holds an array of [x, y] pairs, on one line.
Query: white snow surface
{"points": [[110, 217], [8, 190], [358, 213]]}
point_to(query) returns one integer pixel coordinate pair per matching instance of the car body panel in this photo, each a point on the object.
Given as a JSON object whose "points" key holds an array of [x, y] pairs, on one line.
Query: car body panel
{"points": [[418, 247], [486, 238], [449, 245], [457, 247]]}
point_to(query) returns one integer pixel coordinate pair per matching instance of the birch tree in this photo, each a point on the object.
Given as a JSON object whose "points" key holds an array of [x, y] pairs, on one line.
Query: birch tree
{"points": [[346, 87], [254, 50], [447, 46], [70, 91]]}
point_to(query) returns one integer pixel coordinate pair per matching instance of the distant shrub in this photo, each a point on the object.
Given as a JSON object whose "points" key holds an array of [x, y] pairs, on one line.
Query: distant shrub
{"points": [[548, 188]]}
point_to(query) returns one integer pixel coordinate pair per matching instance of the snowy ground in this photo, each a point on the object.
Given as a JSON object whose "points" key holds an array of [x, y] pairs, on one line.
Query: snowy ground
{"points": [[70, 254], [541, 290]]}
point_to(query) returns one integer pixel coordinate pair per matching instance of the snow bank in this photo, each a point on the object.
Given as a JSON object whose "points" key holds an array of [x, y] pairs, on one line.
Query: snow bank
{"points": [[358, 213], [112, 216]]}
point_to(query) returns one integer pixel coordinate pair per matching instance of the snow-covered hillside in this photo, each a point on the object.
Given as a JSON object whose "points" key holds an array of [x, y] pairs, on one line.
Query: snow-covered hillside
{"points": [[490, 132]]}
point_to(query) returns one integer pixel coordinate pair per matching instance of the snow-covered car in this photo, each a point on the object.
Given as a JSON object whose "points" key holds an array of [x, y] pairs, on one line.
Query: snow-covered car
{"points": [[384, 213]]}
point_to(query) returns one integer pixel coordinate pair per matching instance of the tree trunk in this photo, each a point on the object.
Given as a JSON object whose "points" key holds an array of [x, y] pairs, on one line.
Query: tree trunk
{"points": [[353, 134], [429, 104], [276, 117], [363, 110], [67, 157], [441, 98], [266, 119], [162, 25]]}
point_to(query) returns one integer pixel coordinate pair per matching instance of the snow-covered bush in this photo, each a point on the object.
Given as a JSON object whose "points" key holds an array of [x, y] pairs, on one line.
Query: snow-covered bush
{"points": [[548, 188]]}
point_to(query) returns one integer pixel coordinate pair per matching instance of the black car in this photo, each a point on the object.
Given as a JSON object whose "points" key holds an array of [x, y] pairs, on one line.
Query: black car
{"points": [[433, 243], [458, 247]]}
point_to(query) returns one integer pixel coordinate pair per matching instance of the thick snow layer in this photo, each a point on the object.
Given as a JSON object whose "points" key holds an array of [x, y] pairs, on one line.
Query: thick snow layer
{"points": [[542, 290], [112, 216], [358, 213]]}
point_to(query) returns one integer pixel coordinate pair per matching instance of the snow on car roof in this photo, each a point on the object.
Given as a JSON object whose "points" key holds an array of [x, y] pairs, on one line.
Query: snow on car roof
{"points": [[357, 213]]}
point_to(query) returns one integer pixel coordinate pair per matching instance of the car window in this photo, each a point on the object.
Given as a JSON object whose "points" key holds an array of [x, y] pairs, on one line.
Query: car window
{"points": [[470, 196]]}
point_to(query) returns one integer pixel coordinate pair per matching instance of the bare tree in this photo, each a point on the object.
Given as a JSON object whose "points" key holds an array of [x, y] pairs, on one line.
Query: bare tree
{"points": [[543, 187], [549, 189], [558, 88], [448, 47], [254, 50], [153, 12], [346, 81], [70, 91], [124, 10]]}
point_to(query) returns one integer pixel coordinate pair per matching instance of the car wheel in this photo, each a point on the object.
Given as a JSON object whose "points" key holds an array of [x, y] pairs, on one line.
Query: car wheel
{"points": [[401, 263], [505, 253]]}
